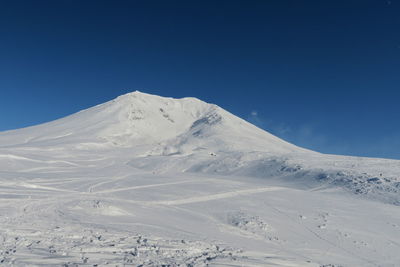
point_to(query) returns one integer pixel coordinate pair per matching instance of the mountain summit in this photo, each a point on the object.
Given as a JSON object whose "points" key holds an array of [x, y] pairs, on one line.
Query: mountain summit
{"points": [[136, 119]]}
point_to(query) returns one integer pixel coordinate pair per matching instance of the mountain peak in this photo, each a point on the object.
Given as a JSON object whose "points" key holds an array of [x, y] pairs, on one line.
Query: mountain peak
{"points": [[136, 119], [152, 97], [137, 93]]}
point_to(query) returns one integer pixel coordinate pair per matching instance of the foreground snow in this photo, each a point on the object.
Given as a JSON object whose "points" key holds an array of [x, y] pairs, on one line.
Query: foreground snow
{"points": [[152, 181]]}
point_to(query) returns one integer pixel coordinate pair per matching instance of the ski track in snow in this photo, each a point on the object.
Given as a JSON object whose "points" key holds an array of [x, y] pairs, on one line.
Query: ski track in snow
{"points": [[149, 181], [216, 196]]}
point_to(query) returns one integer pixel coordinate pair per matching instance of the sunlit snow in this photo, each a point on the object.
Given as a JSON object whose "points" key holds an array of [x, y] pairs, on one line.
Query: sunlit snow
{"points": [[145, 180]]}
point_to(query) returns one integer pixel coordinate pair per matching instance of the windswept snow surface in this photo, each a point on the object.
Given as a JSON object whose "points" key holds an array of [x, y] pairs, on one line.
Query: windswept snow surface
{"points": [[145, 180]]}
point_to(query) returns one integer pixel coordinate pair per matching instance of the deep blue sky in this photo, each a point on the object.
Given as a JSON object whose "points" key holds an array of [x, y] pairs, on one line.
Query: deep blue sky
{"points": [[321, 74]]}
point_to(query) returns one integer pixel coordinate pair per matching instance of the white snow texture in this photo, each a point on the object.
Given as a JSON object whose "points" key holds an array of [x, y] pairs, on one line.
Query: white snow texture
{"points": [[145, 180]]}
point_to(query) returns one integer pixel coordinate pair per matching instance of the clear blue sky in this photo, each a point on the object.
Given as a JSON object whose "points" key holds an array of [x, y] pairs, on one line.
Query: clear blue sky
{"points": [[321, 74]]}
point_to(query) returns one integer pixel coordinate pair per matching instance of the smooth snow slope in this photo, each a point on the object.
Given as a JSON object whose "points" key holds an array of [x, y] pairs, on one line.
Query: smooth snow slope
{"points": [[138, 118], [149, 180]]}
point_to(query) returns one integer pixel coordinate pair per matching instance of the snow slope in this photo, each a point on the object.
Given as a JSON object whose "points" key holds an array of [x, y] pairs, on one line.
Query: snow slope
{"points": [[138, 118], [144, 179]]}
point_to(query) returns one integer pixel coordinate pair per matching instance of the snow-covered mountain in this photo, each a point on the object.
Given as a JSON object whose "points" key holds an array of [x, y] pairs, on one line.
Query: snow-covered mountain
{"points": [[141, 119], [203, 185]]}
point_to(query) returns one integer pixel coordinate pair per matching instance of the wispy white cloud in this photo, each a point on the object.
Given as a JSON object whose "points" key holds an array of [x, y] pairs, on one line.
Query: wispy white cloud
{"points": [[310, 136], [255, 119], [304, 135]]}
